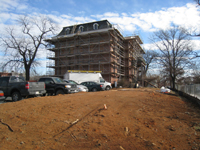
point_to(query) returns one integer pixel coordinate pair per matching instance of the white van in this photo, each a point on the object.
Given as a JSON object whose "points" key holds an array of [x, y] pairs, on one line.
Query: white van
{"points": [[82, 76]]}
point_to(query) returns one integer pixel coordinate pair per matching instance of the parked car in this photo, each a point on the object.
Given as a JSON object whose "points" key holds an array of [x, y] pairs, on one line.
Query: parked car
{"points": [[80, 88], [93, 86], [17, 88], [55, 86], [2, 97], [84, 76]]}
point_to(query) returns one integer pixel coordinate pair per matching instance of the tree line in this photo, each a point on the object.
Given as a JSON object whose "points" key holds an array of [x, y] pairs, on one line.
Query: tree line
{"points": [[174, 54]]}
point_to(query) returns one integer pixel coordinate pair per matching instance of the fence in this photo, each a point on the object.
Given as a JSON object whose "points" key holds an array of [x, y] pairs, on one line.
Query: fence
{"points": [[193, 90]]}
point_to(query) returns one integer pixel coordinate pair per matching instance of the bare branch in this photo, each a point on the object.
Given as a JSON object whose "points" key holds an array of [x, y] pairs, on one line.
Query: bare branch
{"points": [[23, 47], [176, 51]]}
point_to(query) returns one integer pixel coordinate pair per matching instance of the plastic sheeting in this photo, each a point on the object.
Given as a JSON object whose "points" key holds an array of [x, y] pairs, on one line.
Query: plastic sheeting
{"points": [[164, 90]]}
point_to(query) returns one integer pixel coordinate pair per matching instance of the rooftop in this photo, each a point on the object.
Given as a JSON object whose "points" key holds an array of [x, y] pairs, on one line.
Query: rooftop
{"points": [[78, 28]]}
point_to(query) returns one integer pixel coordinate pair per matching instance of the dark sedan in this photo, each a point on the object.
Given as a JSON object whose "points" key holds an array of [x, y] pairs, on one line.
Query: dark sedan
{"points": [[93, 86]]}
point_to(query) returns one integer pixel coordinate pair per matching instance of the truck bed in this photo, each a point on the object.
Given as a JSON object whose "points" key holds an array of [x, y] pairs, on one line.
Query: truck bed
{"points": [[36, 88]]}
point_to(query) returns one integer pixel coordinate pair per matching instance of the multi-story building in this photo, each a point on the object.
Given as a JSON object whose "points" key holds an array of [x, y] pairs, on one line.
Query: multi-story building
{"points": [[97, 46]]}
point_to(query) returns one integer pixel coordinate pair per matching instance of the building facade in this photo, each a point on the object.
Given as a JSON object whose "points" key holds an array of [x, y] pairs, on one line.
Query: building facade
{"points": [[97, 46]]}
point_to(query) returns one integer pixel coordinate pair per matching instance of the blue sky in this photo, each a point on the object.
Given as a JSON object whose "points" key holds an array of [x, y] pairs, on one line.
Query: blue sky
{"points": [[134, 16]]}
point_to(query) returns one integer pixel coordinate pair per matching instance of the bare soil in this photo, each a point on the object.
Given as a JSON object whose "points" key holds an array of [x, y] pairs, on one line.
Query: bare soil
{"points": [[135, 119]]}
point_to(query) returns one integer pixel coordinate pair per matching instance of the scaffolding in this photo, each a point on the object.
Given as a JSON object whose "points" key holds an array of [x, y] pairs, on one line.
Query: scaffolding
{"points": [[103, 50]]}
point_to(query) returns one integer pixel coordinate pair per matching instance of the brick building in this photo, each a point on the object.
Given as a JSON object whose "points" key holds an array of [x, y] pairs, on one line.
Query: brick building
{"points": [[97, 46]]}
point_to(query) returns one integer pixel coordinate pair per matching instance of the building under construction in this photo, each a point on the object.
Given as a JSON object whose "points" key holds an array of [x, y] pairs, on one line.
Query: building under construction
{"points": [[97, 46]]}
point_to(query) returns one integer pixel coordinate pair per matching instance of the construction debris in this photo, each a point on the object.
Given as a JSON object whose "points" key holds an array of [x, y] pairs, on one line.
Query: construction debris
{"points": [[75, 121], [126, 131], [164, 90], [105, 107]]}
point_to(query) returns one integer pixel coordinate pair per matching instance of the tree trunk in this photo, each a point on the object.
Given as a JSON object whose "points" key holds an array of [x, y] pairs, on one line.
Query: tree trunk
{"points": [[27, 69], [173, 83]]}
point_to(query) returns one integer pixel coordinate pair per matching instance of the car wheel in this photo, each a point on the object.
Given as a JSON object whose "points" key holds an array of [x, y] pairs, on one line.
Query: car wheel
{"points": [[16, 96], [94, 90], [60, 92], [107, 88]]}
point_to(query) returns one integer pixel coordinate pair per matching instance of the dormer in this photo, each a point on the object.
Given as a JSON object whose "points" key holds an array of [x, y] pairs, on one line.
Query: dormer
{"points": [[95, 26], [67, 31], [81, 29]]}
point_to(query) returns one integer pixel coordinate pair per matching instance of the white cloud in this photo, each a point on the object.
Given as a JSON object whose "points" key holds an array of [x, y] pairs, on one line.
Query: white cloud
{"points": [[196, 45], [110, 14], [151, 46], [4, 17], [187, 16], [8, 18], [68, 20], [8, 5]]}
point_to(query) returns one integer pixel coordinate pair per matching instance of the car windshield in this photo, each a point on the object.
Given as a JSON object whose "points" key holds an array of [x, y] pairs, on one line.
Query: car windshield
{"points": [[58, 80], [83, 83], [102, 80], [16, 79], [71, 81]]}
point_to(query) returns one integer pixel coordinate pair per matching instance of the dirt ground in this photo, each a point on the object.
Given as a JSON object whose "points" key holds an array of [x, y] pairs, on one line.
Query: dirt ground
{"points": [[135, 119]]}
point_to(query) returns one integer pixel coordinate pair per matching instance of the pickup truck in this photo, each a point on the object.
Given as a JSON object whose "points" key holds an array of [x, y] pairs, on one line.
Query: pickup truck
{"points": [[2, 95], [16, 87], [55, 86]]}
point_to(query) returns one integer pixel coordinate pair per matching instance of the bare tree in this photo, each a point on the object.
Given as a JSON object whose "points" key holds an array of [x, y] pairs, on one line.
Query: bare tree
{"points": [[149, 57], [176, 51], [22, 44]]}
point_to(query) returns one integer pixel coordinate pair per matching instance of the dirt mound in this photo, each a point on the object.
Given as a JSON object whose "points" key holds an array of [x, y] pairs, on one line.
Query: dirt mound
{"points": [[134, 119]]}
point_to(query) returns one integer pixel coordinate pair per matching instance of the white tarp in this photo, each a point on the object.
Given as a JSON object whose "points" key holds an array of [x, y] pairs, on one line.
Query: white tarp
{"points": [[164, 90]]}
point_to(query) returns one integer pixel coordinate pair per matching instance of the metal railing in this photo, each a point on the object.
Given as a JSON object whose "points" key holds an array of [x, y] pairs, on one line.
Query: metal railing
{"points": [[193, 90]]}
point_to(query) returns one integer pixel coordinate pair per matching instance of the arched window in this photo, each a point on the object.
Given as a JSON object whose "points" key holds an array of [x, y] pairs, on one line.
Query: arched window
{"points": [[95, 26], [81, 28], [67, 31]]}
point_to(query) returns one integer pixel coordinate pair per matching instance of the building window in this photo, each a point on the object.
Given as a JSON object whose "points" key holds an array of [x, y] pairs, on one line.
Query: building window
{"points": [[95, 26], [67, 31], [81, 29], [109, 25]]}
